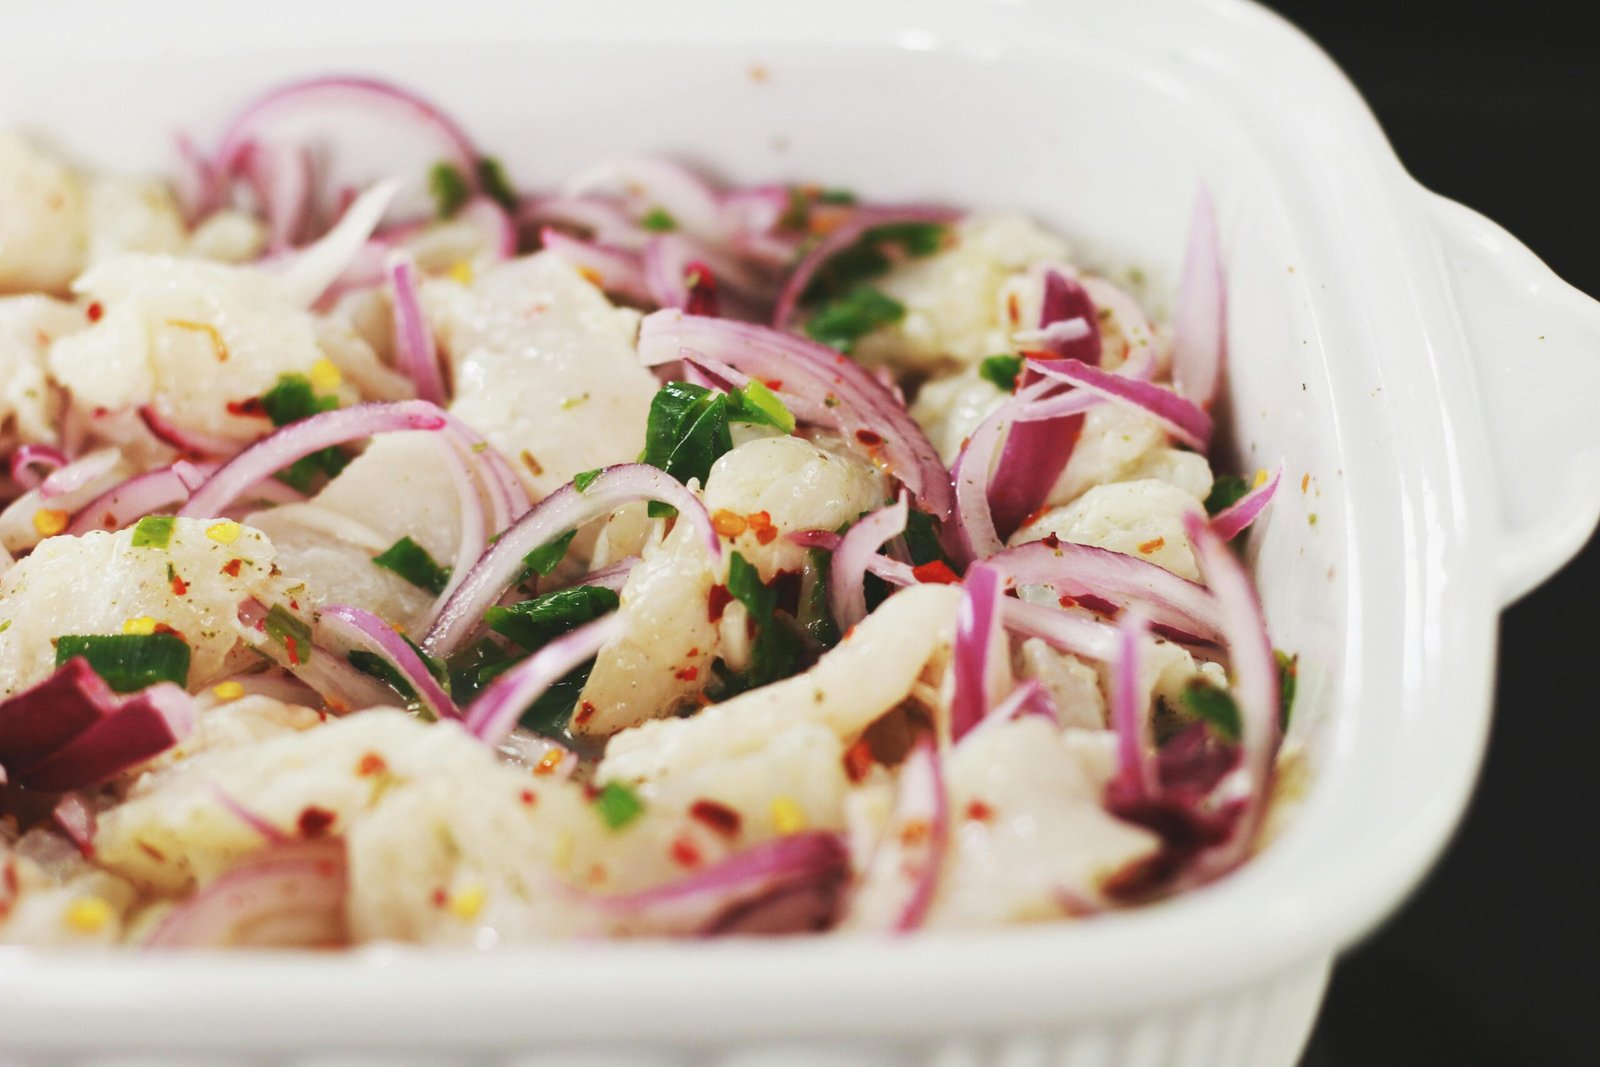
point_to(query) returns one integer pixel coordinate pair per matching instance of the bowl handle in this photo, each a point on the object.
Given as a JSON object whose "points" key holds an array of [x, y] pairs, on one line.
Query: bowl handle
{"points": [[1535, 344]]}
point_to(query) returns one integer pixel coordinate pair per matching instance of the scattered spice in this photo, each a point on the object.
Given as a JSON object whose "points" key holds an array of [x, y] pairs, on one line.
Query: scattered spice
{"points": [[315, 821], [720, 818]]}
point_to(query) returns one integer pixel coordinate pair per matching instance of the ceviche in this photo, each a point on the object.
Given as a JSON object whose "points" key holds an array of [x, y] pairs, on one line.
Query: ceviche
{"points": [[418, 556]]}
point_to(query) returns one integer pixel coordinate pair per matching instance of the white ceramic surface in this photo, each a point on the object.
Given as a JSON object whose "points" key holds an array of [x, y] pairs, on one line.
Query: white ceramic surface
{"points": [[1395, 347]]}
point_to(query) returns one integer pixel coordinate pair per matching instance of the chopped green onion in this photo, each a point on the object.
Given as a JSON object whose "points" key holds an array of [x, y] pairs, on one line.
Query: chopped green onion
{"points": [[290, 631], [153, 531], [1002, 371], [129, 662], [757, 404], [535, 623], [618, 805], [413, 563]]}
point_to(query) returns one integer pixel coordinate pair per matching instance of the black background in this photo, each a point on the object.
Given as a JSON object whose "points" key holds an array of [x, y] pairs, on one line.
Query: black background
{"points": [[1496, 961]]}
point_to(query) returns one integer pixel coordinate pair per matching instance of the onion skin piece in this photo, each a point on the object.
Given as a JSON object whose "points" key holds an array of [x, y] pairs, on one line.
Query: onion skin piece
{"points": [[852, 556], [357, 626]]}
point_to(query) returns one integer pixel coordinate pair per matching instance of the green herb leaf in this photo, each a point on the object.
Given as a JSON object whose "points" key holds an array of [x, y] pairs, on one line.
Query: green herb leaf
{"points": [[657, 220], [1288, 682], [777, 651], [757, 404], [844, 321], [686, 433], [584, 479], [866, 258], [842, 197], [290, 631], [413, 563], [922, 539], [816, 618], [153, 531], [1002, 371], [618, 805], [449, 188], [129, 662], [291, 400], [381, 669], [1225, 492], [535, 623], [548, 557], [492, 180], [1215, 706]]}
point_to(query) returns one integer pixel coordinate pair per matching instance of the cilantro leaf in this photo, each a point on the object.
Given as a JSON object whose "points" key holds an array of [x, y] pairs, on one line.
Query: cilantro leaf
{"points": [[777, 651], [547, 557], [449, 188], [1215, 706], [129, 662], [842, 322], [866, 258], [584, 479], [922, 539], [686, 433], [535, 623], [413, 563], [291, 400], [1002, 371], [1225, 492]]}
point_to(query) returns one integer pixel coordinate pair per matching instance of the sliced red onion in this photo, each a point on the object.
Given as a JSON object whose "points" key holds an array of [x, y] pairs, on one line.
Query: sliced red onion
{"points": [[416, 355], [890, 570], [1200, 318], [605, 220], [1233, 520], [493, 714], [280, 174], [28, 460], [1254, 676], [191, 443], [975, 474], [1028, 698], [1068, 631], [612, 269], [1056, 334], [666, 260], [79, 473], [1130, 705], [848, 569], [819, 385], [656, 183], [141, 495], [196, 186], [508, 497], [613, 576], [284, 896], [269, 833], [74, 817], [910, 856], [717, 899], [308, 274], [1075, 570], [301, 439], [499, 229], [316, 96], [470, 482], [975, 664], [138, 728], [564, 510], [353, 627], [1035, 454], [842, 237], [1182, 419]]}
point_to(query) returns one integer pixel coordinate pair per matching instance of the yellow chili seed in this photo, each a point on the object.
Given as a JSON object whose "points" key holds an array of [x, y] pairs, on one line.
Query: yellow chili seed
{"points": [[228, 691], [49, 521], [787, 816], [225, 532], [88, 915], [325, 377], [141, 624]]}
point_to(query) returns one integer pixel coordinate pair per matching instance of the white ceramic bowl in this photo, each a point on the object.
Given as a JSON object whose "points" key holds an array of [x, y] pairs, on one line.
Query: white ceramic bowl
{"points": [[1438, 385]]}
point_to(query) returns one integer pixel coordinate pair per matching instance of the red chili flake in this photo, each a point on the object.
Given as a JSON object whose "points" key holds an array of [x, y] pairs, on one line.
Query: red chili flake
{"points": [[718, 602], [163, 628], [1050, 541], [687, 674], [95, 311], [1012, 311], [179, 586], [1155, 544], [685, 852], [935, 572], [979, 811], [1036, 515], [727, 523], [869, 438], [11, 882], [315, 821], [719, 817], [591, 792], [371, 764], [585, 712], [231, 568], [153, 852], [858, 760], [528, 798], [1068, 602], [695, 651], [702, 289], [440, 898], [597, 874], [761, 525], [251, 407], [293, 648], [774, 384], [915, 832]]}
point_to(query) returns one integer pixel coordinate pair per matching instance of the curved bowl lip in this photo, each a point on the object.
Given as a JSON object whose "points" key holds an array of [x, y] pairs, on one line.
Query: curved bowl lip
{"points": [[1288, 907]]}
